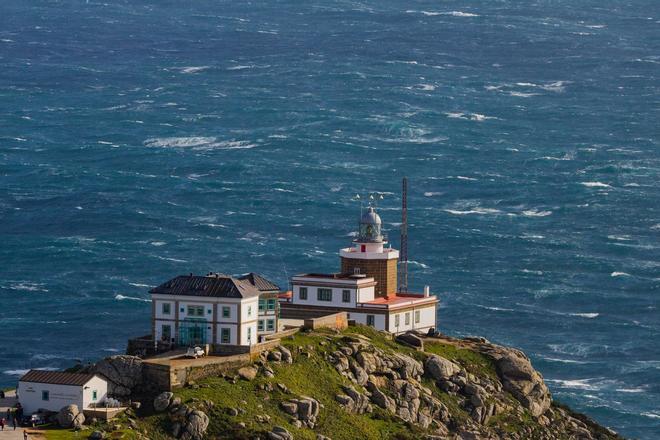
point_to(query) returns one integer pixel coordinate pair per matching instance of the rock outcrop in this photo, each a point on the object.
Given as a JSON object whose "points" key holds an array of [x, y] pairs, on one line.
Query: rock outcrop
{"points": [[123, 372], [70, 417]]}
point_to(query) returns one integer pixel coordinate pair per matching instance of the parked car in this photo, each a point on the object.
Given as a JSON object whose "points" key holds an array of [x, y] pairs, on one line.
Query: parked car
{"points": [[34, 420], [194, 352]]}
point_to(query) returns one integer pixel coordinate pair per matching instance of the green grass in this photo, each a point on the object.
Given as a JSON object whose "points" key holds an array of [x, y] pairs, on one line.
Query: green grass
{"points": [[313, 377], [473, 362]]}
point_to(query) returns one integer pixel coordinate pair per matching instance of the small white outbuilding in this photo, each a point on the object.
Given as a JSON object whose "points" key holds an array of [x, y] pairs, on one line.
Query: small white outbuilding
{"points": [[52, 390]]}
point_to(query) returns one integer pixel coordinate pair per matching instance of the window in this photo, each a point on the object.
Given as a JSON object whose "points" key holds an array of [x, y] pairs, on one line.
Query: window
{"points": [[262, 305], [225, 335], [249, 334], [407, 318], [356, 271], [346, 296], [195, 310], [371, 321], [324, 294], [397, 320], [260, 325], [270, 325], [249, 311], [271, 304], [45, 395], [95, 395], [303, 293], [167, 333], [416, 316], [167, 308], [226, 312]]}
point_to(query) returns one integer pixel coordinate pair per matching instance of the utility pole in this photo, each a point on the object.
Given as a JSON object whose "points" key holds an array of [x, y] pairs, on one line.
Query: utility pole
{"points": [[403, 256]]}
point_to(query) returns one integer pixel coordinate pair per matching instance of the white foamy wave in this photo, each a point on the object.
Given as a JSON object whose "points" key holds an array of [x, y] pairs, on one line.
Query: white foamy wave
{"points": [[466, 178], [595, 185], [495, 309], [179, 142], [197, 143], [563, 361], [534, 272], [477, 211], [139, 285], [15, 372], [417, 263], [651, 415], [26, 286], [194, 69], [158, 243], [522, 94], [619, 274], [469, 116], [22, 372], [432, 194], [585, 315], [619, 237], [630, 390], [535, 213], [283, 190], [120, 297], [435, 13], [579, 384]]}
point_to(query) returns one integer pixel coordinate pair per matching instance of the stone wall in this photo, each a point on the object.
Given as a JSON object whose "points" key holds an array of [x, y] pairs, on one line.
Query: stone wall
{"points": [[337, 321]]}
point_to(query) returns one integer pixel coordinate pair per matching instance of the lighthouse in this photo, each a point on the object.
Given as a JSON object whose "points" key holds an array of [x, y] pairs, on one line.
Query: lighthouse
{"points": [[365, 288], [370, 256]]}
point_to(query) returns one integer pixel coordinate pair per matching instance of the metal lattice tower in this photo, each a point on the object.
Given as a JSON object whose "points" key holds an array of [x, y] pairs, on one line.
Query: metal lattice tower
{"points": [[403, 256]]}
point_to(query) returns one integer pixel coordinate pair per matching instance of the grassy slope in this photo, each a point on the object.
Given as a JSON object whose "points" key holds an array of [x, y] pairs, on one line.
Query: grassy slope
{"points": [[315, 377]]}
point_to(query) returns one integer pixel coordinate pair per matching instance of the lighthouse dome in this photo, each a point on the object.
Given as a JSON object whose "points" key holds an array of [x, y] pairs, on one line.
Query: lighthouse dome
{"points": [[370, 227]]}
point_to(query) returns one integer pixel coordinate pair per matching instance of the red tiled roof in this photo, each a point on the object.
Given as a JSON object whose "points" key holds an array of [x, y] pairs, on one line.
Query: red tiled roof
{"points": [[56, 377]]}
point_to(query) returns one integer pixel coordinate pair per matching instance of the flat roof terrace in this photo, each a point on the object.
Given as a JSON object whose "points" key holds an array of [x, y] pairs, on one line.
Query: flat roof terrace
{"points": [[400, 300]]}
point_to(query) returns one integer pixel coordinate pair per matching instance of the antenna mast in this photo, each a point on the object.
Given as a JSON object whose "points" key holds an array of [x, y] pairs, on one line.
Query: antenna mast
{"points": [[403, 257]]}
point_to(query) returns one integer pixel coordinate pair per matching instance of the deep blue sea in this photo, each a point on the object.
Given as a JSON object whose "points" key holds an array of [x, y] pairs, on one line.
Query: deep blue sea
{"points": [[140, 140]]}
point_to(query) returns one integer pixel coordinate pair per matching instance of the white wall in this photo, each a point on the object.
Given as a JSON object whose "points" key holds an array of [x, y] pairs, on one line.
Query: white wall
{"points": [[95, 384], [367, 294], [159, 310], [238, 313], [426, 315], [312, 296], [30, 396], [183, 310], [159, 329], [233, 333], [361, 318], [244, 333]]}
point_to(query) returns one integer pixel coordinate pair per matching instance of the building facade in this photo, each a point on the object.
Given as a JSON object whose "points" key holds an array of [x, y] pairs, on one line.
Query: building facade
{"points": [[366, 287], [210, 309], [268, 322], [52, 390]]}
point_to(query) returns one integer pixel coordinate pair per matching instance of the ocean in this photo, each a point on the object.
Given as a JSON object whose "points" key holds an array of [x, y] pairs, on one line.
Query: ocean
{"points": [[140, 140]]}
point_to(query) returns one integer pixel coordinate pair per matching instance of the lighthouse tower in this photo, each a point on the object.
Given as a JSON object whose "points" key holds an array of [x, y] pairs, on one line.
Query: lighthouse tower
{"points": [[370, 257]]}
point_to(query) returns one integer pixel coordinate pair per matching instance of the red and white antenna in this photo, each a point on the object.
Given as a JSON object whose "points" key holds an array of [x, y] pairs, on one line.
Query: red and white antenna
{"points": [[403, 255]]}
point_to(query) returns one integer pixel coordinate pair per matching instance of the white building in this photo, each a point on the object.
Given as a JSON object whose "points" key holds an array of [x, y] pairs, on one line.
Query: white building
{"points": [[211, 309], [53, 390], [268, 305], [366, 287]]}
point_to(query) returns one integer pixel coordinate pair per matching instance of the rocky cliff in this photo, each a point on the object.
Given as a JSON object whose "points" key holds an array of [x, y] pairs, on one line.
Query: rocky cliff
{"points": [[362, 384]]}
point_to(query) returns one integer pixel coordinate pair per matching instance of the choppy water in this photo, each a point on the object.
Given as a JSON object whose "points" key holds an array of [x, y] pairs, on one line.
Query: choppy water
{"points": [[141, 140]]}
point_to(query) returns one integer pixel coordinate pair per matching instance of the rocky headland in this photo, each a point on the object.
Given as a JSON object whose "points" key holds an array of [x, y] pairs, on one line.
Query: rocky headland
{"points": [[358, 383]]}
